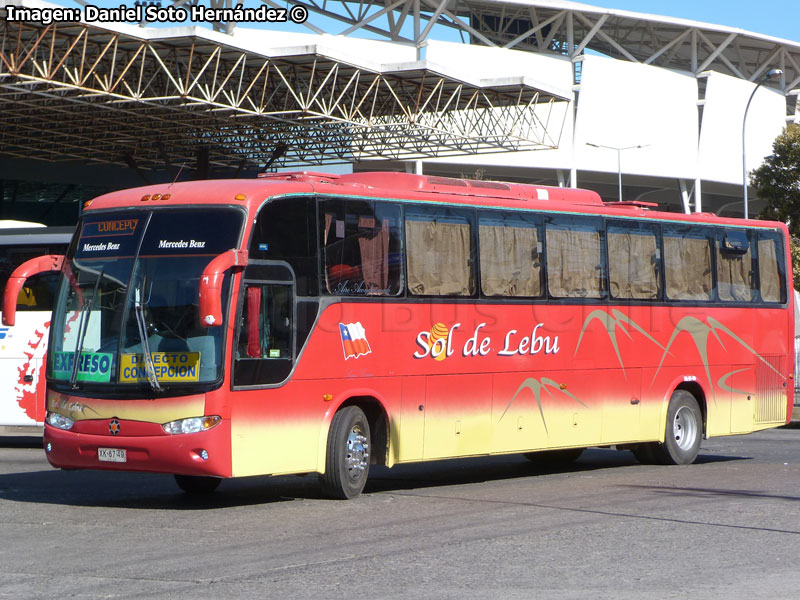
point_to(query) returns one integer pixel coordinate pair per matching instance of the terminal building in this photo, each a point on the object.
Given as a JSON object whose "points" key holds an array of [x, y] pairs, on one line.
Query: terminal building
{"points": [[635, 106]]}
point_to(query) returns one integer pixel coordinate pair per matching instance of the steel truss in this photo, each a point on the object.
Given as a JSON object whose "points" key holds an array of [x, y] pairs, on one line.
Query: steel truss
{"points": [[548, 26], [77, 91]]}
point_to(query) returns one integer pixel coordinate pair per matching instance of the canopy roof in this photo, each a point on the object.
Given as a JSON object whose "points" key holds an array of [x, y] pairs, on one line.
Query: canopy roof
{"points": [[568, 28], [148, 97]]}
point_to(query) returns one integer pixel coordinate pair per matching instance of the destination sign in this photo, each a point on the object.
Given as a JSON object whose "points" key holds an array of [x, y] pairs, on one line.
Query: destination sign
{"points": [[109, 228], [92, 366], [108, 237], [169, 367]]}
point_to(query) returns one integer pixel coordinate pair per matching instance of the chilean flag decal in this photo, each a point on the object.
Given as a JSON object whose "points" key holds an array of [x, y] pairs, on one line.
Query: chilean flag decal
{"points": [[354, 340]]}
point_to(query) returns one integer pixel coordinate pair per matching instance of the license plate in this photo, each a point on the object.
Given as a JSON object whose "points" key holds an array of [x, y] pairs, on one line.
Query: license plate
{"points": [[112, 455]]}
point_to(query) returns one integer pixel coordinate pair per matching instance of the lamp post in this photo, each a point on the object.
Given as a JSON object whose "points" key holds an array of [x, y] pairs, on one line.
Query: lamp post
{"points": [[771, 74], [619, 160]]}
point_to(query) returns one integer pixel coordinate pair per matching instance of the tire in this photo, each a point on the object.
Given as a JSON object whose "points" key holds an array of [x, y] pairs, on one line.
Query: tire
{"points": [[555, 457], [683, 432], [193, 484], [347, 456]]}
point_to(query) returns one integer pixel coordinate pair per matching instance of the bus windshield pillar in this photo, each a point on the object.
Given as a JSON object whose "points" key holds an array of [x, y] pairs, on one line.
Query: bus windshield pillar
{"points": [[210, 292], [34, 266]]}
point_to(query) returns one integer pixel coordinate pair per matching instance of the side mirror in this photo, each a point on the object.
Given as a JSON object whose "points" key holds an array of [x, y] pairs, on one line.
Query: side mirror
{"points": [[34, 266], [210, 291]]}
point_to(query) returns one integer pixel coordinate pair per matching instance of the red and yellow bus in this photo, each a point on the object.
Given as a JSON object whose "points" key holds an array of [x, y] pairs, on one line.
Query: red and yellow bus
{"points": [[314, 323]]}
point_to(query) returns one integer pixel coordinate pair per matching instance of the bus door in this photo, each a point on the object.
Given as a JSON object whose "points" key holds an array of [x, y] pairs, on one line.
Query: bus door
{"points": [[264, 436]]}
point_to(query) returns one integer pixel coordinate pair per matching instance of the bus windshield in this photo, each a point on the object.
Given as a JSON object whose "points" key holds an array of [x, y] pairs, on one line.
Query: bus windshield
{"points": [[127, 305]]}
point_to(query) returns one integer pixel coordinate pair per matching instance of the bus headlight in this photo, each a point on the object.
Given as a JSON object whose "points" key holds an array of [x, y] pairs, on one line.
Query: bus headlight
{"points": [[60, 421], [191, 425]]}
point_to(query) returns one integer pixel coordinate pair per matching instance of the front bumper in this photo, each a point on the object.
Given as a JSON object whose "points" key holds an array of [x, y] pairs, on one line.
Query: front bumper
{"points": [[179, 454]]}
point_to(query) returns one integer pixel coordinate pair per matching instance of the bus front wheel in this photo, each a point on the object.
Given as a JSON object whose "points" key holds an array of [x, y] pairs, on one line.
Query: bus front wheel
{"points": [[347, 456], [682, 435]]}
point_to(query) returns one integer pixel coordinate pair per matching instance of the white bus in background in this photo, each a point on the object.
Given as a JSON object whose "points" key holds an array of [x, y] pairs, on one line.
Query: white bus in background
{"points": [[23, 346]]}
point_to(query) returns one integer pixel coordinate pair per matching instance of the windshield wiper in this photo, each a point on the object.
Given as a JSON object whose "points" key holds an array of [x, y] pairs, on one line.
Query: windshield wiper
{"points": [[149, 367], [83, 326]]}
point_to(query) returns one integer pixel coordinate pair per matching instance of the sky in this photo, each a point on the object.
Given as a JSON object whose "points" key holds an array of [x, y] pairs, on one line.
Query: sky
{"points": [[779, 18]]}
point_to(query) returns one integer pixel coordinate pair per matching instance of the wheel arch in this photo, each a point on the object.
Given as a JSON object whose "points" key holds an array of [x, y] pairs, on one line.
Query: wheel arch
{"points": [[696, 390], [378, 418]]}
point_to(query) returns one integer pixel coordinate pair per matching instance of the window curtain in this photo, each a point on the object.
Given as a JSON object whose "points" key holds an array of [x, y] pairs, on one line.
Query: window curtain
{"points": [[574, 263], [510, 264], [768, 271], [375, 258], [438, 256], [633, 265], [328, 223], [687, 266], [734, 276]]}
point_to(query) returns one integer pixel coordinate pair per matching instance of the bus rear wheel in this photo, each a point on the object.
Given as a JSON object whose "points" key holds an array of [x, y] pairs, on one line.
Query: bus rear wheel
{"points": [[682, 436], [347, 456], [193, 484]]}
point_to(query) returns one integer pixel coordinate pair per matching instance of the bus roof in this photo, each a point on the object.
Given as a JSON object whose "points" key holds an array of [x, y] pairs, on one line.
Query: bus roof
{"points": [[251, 193], [12, 224], [32, 236]]}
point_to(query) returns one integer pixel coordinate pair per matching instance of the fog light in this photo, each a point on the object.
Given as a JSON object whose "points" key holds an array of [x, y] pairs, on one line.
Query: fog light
{"points": [[49, 447], [203, 454]]}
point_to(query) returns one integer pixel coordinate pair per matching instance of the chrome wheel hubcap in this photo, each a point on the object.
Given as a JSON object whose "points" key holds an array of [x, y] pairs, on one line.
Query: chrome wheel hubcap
{"points": [[356, 459], [684, 428]]}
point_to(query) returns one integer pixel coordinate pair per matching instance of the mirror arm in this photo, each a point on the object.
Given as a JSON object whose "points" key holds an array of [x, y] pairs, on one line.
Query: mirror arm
{"points": [[210, 292], [34, 266]]}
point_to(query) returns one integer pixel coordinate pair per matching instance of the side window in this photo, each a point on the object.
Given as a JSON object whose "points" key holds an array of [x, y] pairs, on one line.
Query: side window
{"points": [[440, 252], [735, 274], [285, 230], [634, 261], [574, 247], [362, 248], [264, 349], [771, 270], [511, 255], [687, 264], [266, 326]]}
